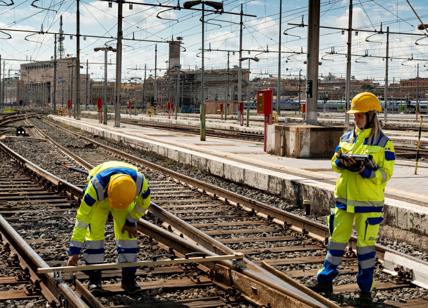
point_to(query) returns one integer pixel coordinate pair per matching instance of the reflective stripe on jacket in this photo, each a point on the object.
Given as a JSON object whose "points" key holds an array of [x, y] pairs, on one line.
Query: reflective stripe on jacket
{"points": [[363, 193], [96, 192]]}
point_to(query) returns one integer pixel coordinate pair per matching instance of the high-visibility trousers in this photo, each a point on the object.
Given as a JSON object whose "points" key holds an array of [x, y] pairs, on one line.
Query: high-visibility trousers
{"points": [[127, 247], [340, 225]]}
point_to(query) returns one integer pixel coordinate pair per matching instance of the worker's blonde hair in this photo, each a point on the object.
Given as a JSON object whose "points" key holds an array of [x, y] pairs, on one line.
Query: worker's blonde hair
{"points": [[373, 123]]}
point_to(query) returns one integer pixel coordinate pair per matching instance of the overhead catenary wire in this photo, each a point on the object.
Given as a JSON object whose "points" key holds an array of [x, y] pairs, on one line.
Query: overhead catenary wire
{"points": [[265, 27]]}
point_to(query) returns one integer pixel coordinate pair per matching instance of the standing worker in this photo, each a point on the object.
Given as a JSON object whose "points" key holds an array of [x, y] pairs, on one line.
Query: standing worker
{"points": [[117, 188], [359, 195]]}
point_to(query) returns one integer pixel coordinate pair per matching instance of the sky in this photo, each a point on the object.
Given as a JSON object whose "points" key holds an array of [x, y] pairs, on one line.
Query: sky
{"points": [[222, 32]]}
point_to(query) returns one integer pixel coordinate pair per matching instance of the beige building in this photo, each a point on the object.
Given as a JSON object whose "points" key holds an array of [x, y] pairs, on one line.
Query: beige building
{"points": [[37, 79], [13, 88]]}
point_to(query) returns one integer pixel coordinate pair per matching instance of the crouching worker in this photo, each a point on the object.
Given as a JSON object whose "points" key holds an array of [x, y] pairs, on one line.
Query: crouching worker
{"points": [[359, 195], [117, 188]]}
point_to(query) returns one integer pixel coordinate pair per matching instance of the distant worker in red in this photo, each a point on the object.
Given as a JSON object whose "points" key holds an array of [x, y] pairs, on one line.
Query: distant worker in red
{"points": [[365, 160], [100, 109], [129, 106], [120, 189], [69, 107]]}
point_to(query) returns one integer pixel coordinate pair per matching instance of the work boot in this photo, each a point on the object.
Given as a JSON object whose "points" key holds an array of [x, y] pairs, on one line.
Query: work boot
{"points": [[129, 283], [322, 287], [365, 299], [94, 284]]}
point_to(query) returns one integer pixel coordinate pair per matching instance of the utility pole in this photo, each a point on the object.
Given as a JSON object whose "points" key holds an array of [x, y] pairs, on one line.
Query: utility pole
{"points": [[202, 106], [144, 87], [348, 65], [227, 87], [417, 91], [177, 90], [61, 39], [71, 83], [155, 86], [105, 89], [77, 109], [3, 83], [54, 79], [385, 93], [312, 62], [87, 85], [278, 84], [241, 24], [300, 81], [1, 91], [118, 63], [248, 93]]}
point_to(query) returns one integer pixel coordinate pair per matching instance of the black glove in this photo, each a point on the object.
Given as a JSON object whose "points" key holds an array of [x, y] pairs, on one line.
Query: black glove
{"points": [[356, 166]]}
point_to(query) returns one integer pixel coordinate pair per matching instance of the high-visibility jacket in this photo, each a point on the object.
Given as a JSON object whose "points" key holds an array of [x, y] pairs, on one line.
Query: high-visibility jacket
{"points": [[96, 193], [363, 193]]}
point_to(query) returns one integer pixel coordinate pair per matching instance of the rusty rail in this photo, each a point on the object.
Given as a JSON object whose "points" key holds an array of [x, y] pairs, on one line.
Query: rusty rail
{"points": [[55, 291]]}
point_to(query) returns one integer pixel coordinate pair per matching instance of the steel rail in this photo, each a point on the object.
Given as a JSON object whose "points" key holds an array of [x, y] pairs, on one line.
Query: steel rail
{"points": [[15, 117], [62, 292], [53, 179], [195, 130], [315, 229]]}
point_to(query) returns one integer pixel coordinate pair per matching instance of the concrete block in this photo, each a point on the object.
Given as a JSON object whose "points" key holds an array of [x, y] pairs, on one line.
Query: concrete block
{"points": [[185, 158], [303, 141], [321, 200], [274, 185], [270, 145], [173, 154], [402, 218], [216, 167], [162, 150], [256, 179], [390, 215], [417, 222], [234, 173], [200, 162]]}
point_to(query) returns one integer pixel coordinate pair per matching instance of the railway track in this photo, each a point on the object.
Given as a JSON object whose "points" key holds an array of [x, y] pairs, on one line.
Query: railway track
{"points": [[222, 133], [42, 208], [402, 150], [44, 217], [291, 245]]}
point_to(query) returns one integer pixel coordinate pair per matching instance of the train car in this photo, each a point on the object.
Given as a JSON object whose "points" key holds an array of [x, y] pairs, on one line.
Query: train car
{"points": [[289, 105]]}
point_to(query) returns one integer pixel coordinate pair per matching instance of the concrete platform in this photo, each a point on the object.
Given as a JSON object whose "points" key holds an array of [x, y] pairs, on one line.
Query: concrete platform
{"points": [[256, 124], [293, 179]]}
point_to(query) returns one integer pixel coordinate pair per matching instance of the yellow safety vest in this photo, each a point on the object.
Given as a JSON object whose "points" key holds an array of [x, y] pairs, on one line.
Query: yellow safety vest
{"points": [[96, 193], [363, 193]]}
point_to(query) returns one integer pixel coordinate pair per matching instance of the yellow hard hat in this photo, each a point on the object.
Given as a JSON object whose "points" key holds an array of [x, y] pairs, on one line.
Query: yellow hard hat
{"points": [[365, 102], [121, 191]]}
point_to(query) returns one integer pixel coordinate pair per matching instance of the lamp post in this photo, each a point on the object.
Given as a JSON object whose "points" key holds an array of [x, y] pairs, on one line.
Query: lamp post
{"points": [[217, 6], [105, 49], [255, 59]]}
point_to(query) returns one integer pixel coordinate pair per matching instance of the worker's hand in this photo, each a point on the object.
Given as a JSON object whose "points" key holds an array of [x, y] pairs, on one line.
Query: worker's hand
{"points": [[132, 231], [72, 260], [355, 166]]}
